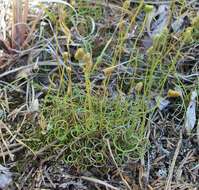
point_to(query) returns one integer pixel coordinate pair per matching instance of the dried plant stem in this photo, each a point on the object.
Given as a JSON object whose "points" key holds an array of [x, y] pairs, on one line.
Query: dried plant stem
{"points": [[171, 169], [118, 169]]}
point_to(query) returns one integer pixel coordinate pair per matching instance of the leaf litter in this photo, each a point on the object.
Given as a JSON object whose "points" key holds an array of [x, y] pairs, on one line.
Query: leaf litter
{"points": [[190, 118]]}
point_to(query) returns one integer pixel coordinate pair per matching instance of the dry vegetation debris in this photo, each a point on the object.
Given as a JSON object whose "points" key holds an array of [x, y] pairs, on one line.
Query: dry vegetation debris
{"points": [[99, 94]]}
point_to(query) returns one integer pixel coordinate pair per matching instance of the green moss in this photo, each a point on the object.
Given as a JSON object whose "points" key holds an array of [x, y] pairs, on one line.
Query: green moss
{"points": [[86, 8]]}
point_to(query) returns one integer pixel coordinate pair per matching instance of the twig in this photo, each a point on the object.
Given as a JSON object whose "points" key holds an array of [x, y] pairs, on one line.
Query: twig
{"points": [[99, 182], [184, 161], [23, 181], [49, 179], [11, 146], [171, 170], [42, 63], [10, 152], [94, 180], [16, 70]]}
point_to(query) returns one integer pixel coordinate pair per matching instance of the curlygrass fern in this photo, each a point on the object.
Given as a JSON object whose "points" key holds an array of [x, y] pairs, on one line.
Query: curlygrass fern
{"points": [[84, 134], [79, 119]]}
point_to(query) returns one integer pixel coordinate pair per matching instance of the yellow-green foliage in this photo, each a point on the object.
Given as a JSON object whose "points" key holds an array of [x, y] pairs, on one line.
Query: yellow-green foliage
{"points": [[84, 132], [79, 119], [86, 8], [148, 8]]}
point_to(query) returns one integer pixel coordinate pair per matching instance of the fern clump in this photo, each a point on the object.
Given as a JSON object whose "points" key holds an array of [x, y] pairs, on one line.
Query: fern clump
{"points": [[85, 131]]}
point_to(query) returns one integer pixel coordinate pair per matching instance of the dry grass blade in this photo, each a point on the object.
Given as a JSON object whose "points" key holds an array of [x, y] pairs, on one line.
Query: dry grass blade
{"points": [[5, 127], [4, 46], [4, 142], [171, 169], [35, 22], [25, 11], [120, 173], [20, 16]]}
